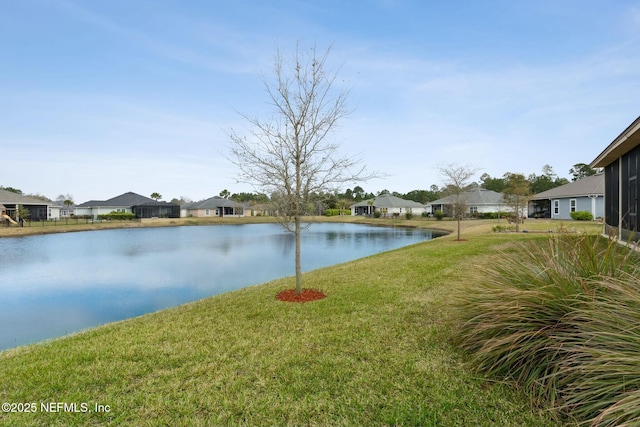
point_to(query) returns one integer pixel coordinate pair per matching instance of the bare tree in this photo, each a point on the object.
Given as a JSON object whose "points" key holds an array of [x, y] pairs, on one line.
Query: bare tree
{"points": [[289, 156], [517, 195], [456, 181]]}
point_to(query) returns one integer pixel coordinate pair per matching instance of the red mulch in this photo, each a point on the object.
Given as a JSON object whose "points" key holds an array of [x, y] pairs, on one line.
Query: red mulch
{"points": [[305, 296]]}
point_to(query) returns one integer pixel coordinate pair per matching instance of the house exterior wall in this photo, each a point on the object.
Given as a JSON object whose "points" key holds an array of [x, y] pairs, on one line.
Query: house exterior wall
{"points": [[489, 208], [220, 211], [54, 213], [202, 213], [400, 211], [94, 211], [479, 208], [581, 204]]}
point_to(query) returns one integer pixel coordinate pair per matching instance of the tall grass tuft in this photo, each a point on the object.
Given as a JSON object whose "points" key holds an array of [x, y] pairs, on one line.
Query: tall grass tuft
{"points": [[561, 320], [601, 373]]}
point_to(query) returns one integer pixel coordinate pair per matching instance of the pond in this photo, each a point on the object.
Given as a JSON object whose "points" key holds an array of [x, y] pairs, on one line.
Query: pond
{"points": [[56, 284]]}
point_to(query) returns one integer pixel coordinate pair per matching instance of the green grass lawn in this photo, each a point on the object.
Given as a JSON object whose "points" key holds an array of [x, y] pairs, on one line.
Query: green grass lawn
{"points": [[377, 351]]}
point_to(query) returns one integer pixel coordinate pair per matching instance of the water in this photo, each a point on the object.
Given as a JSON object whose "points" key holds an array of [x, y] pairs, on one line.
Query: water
{"points": [[52, 285]]}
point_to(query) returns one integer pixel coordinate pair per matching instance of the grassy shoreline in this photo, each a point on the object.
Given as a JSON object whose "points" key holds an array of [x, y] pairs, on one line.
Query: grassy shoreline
{"points": [[535, 225], [376, 351]]}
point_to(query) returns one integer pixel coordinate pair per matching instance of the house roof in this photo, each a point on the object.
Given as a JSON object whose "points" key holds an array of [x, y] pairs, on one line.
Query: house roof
{"points": [[389, 201], [590, 185], [212, 203], [476, 196], [625, 142], [126, 199], [11, 198]]}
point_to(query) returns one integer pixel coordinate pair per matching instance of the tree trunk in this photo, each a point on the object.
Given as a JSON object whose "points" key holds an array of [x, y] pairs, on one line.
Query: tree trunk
{"points": [[298, 267], [459, 219]]}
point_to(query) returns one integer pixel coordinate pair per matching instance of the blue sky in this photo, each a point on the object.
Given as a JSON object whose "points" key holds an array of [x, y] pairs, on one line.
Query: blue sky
{"points": [[102, 97]]}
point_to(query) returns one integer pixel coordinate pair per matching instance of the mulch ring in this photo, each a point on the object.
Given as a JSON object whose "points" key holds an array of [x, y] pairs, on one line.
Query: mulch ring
{"points": [[305, 295]]}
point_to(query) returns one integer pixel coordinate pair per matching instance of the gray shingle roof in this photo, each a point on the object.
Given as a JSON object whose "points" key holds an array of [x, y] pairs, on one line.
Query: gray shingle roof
{"points": [[11, 198], [477, 196], [212, 203], [389, 201], [126, 199], [593, 185]]}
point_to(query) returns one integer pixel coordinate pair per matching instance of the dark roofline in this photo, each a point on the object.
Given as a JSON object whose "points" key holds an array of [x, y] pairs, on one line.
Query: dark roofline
{"points": [[625, 142]]}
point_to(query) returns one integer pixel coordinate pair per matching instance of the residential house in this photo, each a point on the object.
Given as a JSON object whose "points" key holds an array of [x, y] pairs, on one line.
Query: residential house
{"points": [[478, 200], [65, 210], [39, 210], [387, 205], [140, 206], [586, 194], [621, 163], [212, 207]]}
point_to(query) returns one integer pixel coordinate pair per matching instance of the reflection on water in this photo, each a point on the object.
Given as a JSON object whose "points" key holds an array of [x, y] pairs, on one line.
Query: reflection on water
{"points": [[57, 284]]}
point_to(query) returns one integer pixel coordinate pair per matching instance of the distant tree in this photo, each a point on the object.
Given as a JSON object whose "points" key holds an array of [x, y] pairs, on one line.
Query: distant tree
{"points": [[22, 212], [517, 195], [358, 193], [348, 194], [456, 180], [423, 196], [156, 196], [181, 200], [420, 196], [66, 199], [385, 191], [581, 170], [548, 180], [331, 201], [39, 197], [249, 197], [490, 183], [13, 190], [289, 154], [225, 194]]}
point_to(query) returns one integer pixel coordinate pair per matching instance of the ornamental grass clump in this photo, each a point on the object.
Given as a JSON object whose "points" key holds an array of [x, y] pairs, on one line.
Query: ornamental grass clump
{"points": [[543, 314], [601, 370]]}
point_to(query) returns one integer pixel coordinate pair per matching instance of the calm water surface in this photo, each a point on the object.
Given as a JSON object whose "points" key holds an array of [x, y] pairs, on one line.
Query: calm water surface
{"points": [[52, 285]]}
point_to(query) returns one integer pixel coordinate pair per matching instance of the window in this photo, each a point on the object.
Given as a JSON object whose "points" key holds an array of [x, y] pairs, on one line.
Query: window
{"points": [[556, 207], [207, 212], [572, 205], [473, 209]]}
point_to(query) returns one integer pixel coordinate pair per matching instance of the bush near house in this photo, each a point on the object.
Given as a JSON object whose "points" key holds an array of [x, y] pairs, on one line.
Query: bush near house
{"points": [[408, 215], [439, 215], [581, 216], [337, 212], [490, 215], [377, 214], [116, 216]]}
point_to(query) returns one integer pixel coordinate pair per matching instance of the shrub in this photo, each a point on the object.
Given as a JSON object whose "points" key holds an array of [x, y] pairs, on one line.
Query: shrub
{"points": [[377, 214], [116, 216], [582, 216], [560, 319], [336, 212], [503, 228], [408, 215], [439, 215], [425, 214]]}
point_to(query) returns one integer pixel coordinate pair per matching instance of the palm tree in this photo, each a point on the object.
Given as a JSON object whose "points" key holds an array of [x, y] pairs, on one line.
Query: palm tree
{"points": [[156, 196]]}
